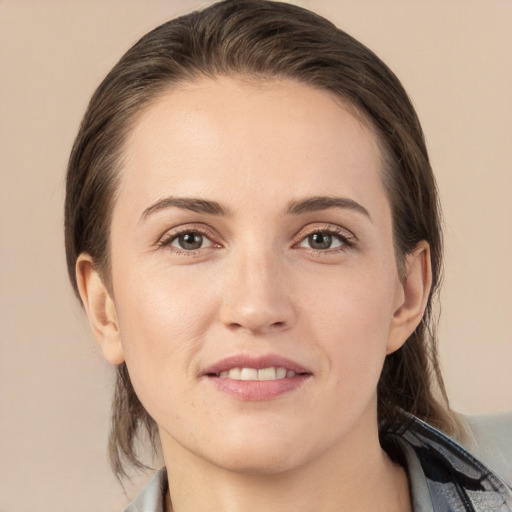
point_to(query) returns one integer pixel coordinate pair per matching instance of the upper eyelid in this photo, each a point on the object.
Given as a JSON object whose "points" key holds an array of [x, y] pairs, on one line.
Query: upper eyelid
{"points": [[327, 227], [172, 233]]}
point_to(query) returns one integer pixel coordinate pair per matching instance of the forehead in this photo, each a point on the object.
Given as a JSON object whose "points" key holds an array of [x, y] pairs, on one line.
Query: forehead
{"points": [[217, 135]]}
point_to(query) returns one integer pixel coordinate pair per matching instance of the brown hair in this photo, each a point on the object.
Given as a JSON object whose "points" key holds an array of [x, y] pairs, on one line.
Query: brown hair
{"points": [[257, 38]]}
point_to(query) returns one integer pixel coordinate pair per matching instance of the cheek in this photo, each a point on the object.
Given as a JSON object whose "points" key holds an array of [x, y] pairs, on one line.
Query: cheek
{"points": [[163, 318], [161, 307], [350, 318]]}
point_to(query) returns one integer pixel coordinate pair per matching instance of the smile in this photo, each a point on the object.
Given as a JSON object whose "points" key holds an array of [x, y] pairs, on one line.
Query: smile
{"points": [[271, 373], [260, 378]]}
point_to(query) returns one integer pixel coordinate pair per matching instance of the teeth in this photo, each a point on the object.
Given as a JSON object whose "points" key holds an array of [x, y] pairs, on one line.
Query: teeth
{"points": [[234, 373], [267, 374], [249, 374], [281, 373], [271, 373]]}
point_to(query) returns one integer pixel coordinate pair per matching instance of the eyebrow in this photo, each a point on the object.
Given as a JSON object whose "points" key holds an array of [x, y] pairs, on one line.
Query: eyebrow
{"points": [[186, 203], [318, 203], [307, 205]]}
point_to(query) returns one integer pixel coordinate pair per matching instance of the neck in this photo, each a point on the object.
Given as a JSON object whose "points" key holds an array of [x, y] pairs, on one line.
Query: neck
{"points": [[354, 475]]}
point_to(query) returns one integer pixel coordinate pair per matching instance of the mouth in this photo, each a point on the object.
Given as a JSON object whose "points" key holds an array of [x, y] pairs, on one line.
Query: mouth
{"points": [[262, 374], [256, 378]]}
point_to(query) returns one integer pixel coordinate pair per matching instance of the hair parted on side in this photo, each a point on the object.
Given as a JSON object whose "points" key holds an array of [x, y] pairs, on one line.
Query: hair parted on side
{"points": [[264, 40]]}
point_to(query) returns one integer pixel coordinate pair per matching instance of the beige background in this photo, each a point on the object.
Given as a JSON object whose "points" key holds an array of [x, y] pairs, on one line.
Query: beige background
{"points": [[454, 58]]}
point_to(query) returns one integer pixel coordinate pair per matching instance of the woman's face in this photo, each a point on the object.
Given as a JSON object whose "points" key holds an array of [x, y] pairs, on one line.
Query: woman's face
{"points": [[252, 232]]}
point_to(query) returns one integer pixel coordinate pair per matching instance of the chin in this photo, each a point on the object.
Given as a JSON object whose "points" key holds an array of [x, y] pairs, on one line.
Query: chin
{"points": [[259, 462], [264, 452]]}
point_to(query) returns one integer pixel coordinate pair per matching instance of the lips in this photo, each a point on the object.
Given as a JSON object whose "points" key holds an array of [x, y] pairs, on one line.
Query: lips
{"points": [[256, 363], [256, 378]]}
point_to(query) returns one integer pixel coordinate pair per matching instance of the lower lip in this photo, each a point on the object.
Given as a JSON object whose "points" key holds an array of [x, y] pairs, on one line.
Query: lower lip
{"points": [[258, 390]]}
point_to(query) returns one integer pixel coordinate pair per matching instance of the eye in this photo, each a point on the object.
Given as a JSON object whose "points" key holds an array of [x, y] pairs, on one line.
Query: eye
{"points": [[322, 241], [326, 239], [190, 241], [186, 240]]}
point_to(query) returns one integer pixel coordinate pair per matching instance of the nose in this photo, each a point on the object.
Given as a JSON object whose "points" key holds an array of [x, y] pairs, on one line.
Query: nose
{"points": [[256, 294]]}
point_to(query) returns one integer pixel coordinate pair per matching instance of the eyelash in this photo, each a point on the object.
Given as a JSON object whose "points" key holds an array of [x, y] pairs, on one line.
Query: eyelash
{"points": [[347, 239], [170, 237]]}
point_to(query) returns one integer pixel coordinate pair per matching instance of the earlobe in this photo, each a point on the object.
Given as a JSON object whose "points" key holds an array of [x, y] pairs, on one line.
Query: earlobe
{"points": [[100, 309], [414, 293]]}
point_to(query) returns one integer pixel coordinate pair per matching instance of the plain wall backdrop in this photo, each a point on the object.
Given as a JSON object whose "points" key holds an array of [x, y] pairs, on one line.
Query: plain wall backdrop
{"points": [[455, 60]]}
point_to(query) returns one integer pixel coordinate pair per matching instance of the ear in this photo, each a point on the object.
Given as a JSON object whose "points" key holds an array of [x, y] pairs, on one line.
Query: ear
{"points": [[100, 309], [412, 296]]}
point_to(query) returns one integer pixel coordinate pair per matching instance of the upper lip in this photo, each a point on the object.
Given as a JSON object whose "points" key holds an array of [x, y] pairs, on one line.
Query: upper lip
{"points": [[257, 362]]}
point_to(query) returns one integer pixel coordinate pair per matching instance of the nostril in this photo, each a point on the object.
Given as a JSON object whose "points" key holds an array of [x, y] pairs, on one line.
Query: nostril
{"points": [[235, 326]]}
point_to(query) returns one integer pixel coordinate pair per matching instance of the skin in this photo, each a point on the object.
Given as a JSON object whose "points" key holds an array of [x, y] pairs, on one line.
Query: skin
{"points": [[256, 286]]}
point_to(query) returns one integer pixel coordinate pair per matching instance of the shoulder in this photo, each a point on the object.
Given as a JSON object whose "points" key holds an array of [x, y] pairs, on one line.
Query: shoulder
{"points": [[152, 496], [490, 441], [447, 475]]}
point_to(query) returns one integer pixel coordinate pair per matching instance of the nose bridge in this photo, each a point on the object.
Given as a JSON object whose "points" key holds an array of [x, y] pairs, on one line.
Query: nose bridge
{"points": [[256, 297]]}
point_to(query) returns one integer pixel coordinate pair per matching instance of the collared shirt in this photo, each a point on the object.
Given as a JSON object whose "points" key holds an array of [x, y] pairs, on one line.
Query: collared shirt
{"points": [[443, 475]]}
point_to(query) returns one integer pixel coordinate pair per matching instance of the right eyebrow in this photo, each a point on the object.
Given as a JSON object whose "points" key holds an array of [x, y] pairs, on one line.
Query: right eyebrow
{"points": [[185, 203]]}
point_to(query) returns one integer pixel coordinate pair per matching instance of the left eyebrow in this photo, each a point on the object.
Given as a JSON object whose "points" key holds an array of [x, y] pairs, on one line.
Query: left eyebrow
{"points": [[318, 203]]}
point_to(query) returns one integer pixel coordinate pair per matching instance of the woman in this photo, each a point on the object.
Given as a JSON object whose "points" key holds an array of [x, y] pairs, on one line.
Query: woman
{"points": [[252, 225]]}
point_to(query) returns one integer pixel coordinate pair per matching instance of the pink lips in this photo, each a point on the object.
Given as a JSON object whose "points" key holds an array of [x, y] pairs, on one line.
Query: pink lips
{"points": [[256, 390]]}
